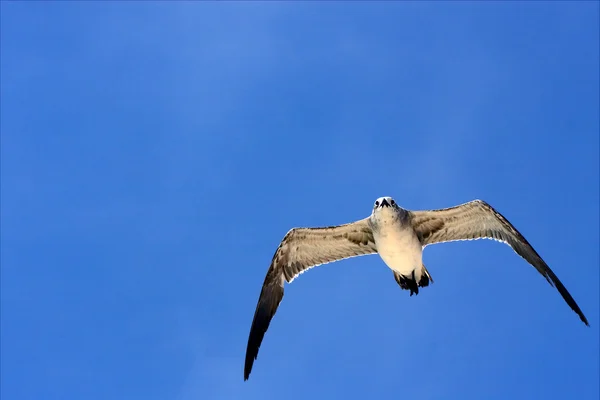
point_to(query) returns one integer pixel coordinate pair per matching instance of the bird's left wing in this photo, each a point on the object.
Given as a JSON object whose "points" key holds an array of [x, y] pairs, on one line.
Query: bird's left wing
{"points": [[300, 250], [478, 220]]}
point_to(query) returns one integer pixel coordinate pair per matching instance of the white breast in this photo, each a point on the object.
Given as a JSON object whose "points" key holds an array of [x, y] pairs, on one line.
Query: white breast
{"points": [[399, 248]]}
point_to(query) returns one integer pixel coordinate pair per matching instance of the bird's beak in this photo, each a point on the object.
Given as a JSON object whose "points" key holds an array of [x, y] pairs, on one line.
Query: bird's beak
{"points": [[384, 203]]}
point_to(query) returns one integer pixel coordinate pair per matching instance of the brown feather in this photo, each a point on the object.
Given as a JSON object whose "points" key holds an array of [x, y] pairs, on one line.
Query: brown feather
{"points": [[478, 220], [300, 250]]}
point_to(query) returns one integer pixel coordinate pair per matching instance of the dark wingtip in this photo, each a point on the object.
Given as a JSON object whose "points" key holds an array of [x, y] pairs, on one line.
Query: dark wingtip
{"points": [[270, 297], [566, 295], [581, 316]]}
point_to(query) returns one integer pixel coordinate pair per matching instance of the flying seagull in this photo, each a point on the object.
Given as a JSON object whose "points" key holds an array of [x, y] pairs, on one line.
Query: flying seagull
{"points": [[399, 236]]}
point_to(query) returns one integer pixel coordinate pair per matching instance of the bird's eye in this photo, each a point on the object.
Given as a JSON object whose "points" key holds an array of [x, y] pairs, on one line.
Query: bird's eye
{"points": [[393, 202], [377, 204]]}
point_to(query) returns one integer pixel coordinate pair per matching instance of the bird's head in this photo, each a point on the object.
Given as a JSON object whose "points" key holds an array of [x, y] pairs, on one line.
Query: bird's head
{"points": [[384, 203], [386, 210]]}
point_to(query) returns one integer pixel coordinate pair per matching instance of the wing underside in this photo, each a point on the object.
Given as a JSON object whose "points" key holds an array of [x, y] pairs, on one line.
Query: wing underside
{"points": [[300, 250], [479, 220]]}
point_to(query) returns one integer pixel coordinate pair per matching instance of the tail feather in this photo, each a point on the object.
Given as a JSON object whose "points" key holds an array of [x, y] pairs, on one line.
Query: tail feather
{"points": [[425, 277], [411, 283]]}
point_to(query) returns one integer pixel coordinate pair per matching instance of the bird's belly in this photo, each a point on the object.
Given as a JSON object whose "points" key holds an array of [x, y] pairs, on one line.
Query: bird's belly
{"points": [[400, 250]]}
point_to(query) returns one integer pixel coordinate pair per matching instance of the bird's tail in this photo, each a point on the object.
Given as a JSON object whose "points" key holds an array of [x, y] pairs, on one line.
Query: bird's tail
{"points": [[412, 283], [425, 277]]}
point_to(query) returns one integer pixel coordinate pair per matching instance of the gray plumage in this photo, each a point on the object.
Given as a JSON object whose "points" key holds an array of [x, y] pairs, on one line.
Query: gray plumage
{"points": [[399, 236]]}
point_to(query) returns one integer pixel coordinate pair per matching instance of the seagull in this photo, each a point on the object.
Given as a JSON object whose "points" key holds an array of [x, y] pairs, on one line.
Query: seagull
{"points": [[398, 235]]}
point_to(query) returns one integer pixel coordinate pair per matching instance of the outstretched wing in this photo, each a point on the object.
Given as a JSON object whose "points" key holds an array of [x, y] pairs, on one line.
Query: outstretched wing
{"points": [[300, 250], [478, 220]]}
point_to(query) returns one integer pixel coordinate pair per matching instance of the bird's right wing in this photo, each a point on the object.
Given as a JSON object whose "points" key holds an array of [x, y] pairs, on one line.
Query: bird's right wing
{"points": [[300, 250]]}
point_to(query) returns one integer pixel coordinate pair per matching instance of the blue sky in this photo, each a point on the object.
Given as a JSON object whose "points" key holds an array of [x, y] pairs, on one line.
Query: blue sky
{"points": [[154, 154]]}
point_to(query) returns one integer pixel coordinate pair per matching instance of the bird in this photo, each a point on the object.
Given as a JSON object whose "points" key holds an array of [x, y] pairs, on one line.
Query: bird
{"points": [[399, 236]]}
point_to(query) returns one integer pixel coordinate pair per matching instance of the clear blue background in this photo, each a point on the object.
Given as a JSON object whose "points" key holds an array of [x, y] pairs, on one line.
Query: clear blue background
{"points": [[154, 155]]}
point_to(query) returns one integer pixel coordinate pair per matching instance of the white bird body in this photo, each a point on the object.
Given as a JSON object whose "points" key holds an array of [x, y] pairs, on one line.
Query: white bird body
{"points": [[397, 244]]}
